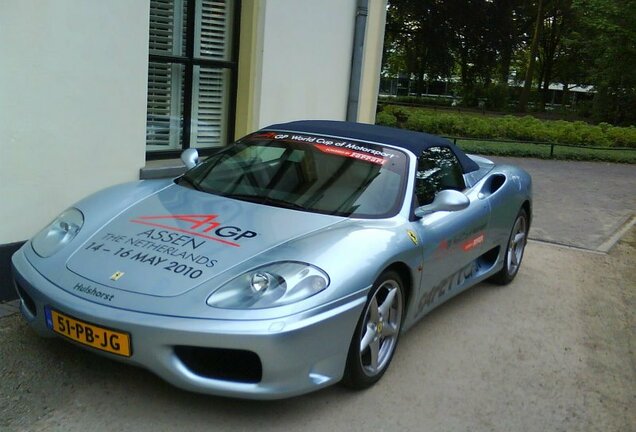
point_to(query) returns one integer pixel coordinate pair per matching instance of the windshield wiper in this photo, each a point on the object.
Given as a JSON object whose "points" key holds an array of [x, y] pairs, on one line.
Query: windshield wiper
{"points": [[266, 200], [244, 197], [188, 180], [285, 204]]}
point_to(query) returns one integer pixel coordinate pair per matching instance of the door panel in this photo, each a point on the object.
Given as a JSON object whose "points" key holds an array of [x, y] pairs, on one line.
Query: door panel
{"points": [[452, 241]]}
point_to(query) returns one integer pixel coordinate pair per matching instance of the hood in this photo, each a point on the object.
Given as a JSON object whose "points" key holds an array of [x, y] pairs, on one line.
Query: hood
{"points": [[172, 241]]}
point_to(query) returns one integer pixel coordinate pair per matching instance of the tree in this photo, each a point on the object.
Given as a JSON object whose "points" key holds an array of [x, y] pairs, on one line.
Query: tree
{"points": [[437, 39], [419, 35], [607, 29], [573, 42], [557, 22], [572, 64], [532, 55], [509, 22]]}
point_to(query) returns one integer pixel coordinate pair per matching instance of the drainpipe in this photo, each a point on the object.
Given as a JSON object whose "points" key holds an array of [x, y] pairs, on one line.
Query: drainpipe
{"points": [[356, 59]]}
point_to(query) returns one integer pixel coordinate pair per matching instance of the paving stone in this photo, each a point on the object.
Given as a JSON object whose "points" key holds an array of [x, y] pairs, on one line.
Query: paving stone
{"points": [[9, 308]]}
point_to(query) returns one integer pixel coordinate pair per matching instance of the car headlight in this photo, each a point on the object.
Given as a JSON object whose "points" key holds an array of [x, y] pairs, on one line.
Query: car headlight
{"points": [[269, 286], [58, 233]]}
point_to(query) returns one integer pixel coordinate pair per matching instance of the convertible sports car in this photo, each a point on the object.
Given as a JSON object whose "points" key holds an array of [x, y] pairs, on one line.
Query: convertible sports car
{"points": [[286, 262]]}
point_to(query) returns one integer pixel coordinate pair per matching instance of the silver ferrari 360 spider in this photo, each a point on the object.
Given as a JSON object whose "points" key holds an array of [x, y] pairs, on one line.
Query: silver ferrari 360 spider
{"points": [[286, 262]]}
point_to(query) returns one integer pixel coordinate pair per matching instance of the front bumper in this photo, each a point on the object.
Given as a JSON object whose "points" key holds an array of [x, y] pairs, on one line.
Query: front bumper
{"points": [[298, 353]]}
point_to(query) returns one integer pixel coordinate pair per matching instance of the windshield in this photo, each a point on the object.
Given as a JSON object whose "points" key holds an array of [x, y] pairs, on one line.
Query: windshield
{"points": [[305, 172]]}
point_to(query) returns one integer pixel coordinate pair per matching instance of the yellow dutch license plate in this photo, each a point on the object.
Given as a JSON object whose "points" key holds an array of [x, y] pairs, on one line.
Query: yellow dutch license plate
{"points": [[94, 336]]}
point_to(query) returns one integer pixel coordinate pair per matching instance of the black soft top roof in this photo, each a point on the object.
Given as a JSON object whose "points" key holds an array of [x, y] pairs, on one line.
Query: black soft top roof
{"points": [[410, 140]]}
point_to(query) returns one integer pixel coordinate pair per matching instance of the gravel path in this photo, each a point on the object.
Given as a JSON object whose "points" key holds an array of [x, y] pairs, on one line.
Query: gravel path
{"points": [[580, 204]]}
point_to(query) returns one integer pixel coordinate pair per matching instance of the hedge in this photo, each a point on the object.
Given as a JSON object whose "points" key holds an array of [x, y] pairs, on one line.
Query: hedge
{"points": [[509, 127], [417, 100], [519, 149]]}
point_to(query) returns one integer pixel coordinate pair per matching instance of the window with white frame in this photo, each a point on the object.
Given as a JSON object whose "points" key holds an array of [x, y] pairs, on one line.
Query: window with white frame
{"points": [[191, 74]]}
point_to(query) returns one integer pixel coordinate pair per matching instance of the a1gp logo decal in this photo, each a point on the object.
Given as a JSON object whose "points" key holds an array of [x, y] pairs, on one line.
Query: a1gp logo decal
{"points": [[204, 226]]}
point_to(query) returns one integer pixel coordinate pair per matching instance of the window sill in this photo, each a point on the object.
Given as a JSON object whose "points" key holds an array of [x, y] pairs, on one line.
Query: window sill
{"points": [[162, 168]]}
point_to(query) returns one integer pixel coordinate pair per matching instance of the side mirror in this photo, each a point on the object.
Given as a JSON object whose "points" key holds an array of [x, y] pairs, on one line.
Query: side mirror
{"points": [[445, 200], [190, 158]]}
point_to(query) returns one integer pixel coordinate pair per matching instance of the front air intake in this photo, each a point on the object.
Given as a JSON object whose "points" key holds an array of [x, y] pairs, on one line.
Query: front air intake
{"points": [[27, 301], [222, 364]]}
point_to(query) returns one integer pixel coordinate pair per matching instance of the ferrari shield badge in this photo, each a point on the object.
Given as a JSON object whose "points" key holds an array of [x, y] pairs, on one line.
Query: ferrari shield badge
{"points": [[412, 236], [117, 275]]}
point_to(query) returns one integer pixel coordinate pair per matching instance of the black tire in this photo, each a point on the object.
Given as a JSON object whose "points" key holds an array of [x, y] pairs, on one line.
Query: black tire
{"points": [[379, 329], [514, 250]]}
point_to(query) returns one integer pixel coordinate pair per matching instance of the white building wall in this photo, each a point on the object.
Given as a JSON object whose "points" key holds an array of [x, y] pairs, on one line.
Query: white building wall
{"points": [[306, 60], [72, 104]]}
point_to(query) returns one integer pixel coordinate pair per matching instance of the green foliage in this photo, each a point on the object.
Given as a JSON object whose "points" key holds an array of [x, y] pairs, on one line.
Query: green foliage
{"points": [[400, 114], [607, 41], [509, 127], [622, 136], [417, 100], [493, 97], [497, 97], [416, 39], [471, 95], [584, 109], [386, 119]]}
